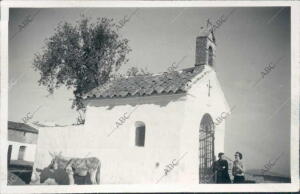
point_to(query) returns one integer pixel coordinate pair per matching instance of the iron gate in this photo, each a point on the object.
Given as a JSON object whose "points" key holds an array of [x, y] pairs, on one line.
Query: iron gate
{"points": [[206, 150]]}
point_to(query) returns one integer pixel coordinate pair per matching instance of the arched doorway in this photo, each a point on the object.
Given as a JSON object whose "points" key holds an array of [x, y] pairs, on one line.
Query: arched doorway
{"points": [[206, 149]]}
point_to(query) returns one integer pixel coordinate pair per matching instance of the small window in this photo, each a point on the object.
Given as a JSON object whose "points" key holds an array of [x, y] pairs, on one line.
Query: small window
{"points": [[21, 152], [140, 131]]}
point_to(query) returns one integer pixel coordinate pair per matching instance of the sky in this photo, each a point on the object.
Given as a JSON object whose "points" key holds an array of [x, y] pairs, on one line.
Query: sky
{"points": [[249, 40]]}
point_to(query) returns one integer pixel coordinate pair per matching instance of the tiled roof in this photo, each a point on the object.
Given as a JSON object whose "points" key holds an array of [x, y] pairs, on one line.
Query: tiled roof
{"points": [[21, 127], [145, 85]]}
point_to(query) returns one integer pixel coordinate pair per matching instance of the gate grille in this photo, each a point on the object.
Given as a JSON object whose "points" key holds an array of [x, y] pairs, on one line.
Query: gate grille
{"points": [[206, 150]]}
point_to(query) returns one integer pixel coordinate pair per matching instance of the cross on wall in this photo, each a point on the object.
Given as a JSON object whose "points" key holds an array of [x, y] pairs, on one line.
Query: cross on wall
{"points": [[209, 87]]}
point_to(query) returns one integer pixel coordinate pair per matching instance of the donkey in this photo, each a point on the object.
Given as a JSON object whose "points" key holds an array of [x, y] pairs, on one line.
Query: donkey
{"points": [[78, 166]]}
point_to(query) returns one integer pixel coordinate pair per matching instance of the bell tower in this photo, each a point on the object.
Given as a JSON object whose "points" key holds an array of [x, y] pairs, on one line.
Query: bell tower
{"points": [[206, 48]]}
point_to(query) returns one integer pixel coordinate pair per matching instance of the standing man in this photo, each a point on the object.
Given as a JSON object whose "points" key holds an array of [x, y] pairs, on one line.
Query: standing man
{"points": [[220, 169]]}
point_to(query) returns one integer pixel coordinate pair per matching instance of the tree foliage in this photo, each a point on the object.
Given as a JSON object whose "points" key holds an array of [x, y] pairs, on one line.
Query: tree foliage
{"points": [[81, 56], [134, 71]]}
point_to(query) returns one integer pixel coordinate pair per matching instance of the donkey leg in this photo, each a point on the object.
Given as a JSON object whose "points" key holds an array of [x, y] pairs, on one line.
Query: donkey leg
{"points": [[98, 174], [93, 176], [70, 173]]}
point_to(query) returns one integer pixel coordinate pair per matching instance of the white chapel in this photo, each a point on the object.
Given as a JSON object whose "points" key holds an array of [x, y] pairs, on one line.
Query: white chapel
{"points": [[137, 126]]}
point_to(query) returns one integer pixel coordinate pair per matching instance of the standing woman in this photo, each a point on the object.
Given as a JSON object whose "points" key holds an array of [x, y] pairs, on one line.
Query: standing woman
{"points": [[238, 170]]}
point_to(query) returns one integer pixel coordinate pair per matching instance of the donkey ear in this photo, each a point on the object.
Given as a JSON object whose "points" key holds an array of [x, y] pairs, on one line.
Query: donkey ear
{"points": [[51, 154]]}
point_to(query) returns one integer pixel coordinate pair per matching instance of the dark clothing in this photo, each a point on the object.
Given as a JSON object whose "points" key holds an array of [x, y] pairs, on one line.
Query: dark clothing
{"points": [[220, 169], [239, 179]]}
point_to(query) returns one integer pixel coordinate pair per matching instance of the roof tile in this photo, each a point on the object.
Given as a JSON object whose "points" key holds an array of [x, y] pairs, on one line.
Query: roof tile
{"points": [[141, 85]]}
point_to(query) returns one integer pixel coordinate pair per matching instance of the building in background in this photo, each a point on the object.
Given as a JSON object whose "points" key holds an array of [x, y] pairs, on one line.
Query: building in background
{"points": [[22, 141]]}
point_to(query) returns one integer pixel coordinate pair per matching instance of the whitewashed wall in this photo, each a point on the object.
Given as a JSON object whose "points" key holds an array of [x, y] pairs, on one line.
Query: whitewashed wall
{"points": [[68, 140], [29, 151], [121, 158], [197, 104]]}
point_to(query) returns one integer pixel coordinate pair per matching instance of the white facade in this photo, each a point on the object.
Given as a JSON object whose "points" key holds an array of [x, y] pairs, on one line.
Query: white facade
{"points": [[172, 124], [29, 154]]}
